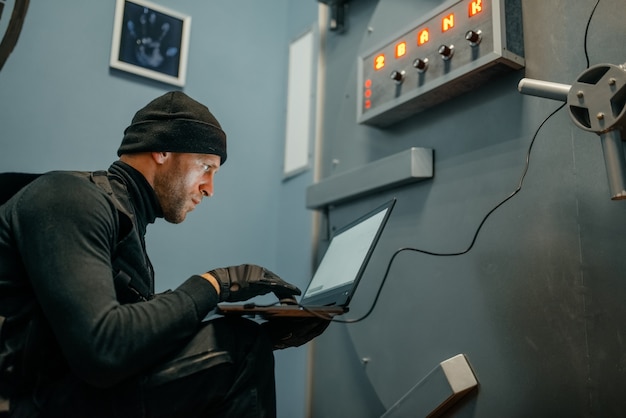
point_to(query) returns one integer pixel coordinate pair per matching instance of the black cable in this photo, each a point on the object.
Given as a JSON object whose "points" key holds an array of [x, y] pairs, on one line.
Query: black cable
{"points": [[482, 222], [587, 31], [465, 251]]}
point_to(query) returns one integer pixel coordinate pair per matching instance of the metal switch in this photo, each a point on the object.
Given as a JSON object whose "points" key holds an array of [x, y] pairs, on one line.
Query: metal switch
{"points": [[397, 76], [446, 51], [473, 37], [420, 65]]}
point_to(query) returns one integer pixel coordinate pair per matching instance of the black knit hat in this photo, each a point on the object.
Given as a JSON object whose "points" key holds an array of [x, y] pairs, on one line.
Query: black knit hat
{"points": [[174, 122]]}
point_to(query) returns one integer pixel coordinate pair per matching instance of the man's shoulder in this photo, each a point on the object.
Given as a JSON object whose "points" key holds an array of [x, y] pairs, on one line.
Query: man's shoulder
{"points": [[66, 175], [64, 189], [62, 182]]}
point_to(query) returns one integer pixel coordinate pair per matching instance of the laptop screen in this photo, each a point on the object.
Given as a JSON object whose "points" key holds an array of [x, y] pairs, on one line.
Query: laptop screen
{"points": [[345, 259]]}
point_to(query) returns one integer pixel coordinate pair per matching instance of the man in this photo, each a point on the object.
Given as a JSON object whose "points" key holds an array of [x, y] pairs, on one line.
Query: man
{"points": [[82, 333]]}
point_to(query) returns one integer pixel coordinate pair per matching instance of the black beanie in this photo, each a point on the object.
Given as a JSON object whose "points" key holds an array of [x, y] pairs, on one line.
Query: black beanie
{"points": [[174, 122]]}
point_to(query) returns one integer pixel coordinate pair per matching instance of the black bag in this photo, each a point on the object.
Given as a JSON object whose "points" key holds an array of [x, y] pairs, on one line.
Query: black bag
{"points": [[11, 183], [18, 369]]}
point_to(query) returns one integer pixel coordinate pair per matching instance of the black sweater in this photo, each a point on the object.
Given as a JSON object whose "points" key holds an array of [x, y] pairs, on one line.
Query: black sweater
{"points": [[66, 249]]}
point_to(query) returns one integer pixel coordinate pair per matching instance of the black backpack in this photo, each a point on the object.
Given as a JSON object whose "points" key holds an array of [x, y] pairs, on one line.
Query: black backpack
{"points": [[11, 183]]}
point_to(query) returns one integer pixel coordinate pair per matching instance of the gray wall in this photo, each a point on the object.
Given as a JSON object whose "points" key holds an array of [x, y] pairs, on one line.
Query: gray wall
{"points": [[61, 107], [537, 303]]}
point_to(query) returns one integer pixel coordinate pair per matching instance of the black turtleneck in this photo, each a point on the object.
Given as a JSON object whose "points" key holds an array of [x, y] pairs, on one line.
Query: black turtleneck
{"points": [[143, 198]]}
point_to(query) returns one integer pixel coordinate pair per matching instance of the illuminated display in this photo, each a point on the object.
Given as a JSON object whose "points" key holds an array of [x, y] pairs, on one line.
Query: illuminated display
{"points": [[447, 22], [409, 70], [423, 36], [379, 62], [475, 7], [400, 49]]}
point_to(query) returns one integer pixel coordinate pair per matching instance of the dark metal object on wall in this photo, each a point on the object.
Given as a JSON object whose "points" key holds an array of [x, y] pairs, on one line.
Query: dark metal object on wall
{"points": [[337, 14], [10, 37]]}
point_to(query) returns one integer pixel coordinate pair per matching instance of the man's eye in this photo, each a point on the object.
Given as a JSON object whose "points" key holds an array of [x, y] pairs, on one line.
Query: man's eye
{"points": [[205, 167]]}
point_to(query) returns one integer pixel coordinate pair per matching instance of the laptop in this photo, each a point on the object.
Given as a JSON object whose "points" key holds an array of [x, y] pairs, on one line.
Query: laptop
{"points": [[330, 290]]}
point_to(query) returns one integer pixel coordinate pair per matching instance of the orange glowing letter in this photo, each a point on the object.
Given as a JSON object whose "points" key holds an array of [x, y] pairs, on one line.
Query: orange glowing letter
{"points": [[379, 62], [475, 7], [422, 37], [447, 22], [400, 49]]}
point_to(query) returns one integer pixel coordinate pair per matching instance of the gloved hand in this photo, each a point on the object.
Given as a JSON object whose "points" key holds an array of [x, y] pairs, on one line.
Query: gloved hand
{"points": [[293, 332], [239, 283]]}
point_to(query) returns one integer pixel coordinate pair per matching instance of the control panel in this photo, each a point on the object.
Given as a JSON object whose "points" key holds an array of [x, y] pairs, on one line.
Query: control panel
{"points": [[454, 49]]}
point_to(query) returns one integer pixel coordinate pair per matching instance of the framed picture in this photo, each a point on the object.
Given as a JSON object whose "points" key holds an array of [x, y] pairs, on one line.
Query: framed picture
{"points": [[151, 41]]}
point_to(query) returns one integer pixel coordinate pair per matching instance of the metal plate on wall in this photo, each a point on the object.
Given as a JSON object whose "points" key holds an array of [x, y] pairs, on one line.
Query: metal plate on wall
{"points": [[450, 51]]}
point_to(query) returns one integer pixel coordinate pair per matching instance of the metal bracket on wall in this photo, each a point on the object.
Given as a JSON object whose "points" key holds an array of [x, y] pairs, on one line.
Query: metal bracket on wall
{"points": [[451, 380], [412, 165], [337, 14]]}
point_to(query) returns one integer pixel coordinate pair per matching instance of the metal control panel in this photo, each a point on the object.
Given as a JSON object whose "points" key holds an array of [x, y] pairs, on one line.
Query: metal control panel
{"points": [[454, 49]]}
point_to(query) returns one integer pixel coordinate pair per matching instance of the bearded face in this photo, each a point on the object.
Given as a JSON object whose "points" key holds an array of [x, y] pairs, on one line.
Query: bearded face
{"points": [[182, 181]]}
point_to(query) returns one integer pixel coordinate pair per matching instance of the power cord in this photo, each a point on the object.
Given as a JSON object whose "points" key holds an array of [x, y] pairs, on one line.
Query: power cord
{"points": [[465, 251]]}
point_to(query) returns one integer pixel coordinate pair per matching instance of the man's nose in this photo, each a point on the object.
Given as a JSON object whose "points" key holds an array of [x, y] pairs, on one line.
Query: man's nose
{"points": [[206, 188]]}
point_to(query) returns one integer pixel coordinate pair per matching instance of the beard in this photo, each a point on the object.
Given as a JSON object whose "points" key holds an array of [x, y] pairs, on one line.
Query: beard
{"points": [[170, 189]]}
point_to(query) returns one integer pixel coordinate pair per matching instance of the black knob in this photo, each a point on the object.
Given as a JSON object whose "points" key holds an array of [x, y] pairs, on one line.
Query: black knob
{"points": [[420, 64], [397, 76], [473, 37], [446, 51]]}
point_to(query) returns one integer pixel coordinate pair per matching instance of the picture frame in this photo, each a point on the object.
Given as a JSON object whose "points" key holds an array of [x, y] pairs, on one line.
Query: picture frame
{"points": [[151, 41]]}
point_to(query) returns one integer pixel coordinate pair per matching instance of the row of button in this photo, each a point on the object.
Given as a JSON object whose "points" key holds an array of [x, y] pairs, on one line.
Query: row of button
{"points": [[445, 51]]}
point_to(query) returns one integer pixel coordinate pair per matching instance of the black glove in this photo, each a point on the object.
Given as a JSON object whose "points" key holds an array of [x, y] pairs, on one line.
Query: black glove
{"points": [[293, 332], [239, 283]]}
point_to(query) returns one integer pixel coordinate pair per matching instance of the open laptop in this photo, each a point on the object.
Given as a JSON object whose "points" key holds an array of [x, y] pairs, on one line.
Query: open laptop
{"points": [[330, 290]]}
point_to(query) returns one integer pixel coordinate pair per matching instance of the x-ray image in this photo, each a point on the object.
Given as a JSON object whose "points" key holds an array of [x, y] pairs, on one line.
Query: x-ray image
{"points": [[151, 39]]}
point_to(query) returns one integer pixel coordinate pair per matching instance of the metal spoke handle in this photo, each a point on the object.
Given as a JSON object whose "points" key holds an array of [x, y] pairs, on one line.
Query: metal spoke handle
{"points": [[596, 103]]}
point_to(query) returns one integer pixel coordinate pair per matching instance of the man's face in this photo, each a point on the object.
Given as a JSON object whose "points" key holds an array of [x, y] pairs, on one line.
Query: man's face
{"points": [[182, 181]]}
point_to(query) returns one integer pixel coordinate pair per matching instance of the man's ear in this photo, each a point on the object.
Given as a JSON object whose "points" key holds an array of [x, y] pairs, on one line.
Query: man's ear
{"points": [[160, 157]]}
